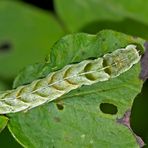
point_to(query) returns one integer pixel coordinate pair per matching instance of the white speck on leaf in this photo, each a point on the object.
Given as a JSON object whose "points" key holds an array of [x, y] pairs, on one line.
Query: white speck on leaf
{"points": [[91, 141], [83, 136]]}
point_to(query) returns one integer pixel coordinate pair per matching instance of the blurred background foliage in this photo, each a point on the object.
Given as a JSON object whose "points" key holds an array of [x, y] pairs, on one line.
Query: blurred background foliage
{"points": [[28, 28]]}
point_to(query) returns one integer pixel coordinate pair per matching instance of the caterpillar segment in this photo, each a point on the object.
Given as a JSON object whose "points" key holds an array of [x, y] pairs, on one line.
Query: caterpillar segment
{"points": [[70, 77]]}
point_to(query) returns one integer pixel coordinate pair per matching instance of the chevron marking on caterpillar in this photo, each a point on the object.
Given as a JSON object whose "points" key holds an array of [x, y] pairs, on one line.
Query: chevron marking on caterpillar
{"points": [[70, 77]]}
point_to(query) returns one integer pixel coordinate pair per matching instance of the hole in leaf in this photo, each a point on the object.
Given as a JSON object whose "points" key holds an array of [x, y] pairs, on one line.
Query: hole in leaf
{"points": [[4, 47], [108, 108], [60, 106]]}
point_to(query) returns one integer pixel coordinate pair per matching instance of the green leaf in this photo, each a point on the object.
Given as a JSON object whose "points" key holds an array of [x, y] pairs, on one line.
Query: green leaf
{"points": [[93, 15], [84, 11], [26, 35], [76, 120], [3, 122]]}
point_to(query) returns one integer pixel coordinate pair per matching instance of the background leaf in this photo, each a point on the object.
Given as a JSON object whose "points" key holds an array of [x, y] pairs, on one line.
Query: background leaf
{"points": [[3, 85], [76, 119], [3, 122], [93, 15], [27, 34]]}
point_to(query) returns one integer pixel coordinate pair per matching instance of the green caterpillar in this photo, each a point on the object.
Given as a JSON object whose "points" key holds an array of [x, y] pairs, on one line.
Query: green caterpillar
{"points": [[70, 77]]}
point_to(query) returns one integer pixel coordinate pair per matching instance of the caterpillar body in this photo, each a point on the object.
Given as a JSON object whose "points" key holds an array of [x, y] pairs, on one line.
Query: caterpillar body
{"points": [[70, 77]]}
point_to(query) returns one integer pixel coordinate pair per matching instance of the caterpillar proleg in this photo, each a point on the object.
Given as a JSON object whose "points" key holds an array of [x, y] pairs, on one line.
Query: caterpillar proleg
{"points": [[70, 77]]}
